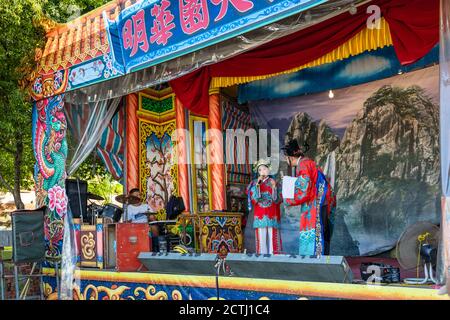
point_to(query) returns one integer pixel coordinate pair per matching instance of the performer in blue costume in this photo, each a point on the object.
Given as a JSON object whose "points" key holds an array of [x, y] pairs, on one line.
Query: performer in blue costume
{"points": [[314, 199]]}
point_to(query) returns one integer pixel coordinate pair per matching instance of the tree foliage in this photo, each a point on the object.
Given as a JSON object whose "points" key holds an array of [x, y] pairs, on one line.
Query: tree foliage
{"points": [[100, 181], [20, 36], [23, 32], [66, 10]]}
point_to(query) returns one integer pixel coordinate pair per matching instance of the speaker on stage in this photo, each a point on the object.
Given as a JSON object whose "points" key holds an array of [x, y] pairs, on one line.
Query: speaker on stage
{"points": [[76, 191], [28, 235], [290, 267], [176, 263], [280, 267]]}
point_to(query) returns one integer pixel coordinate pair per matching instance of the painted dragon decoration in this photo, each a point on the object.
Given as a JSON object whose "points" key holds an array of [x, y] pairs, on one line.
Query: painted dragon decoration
{"points": [[50, 151]]}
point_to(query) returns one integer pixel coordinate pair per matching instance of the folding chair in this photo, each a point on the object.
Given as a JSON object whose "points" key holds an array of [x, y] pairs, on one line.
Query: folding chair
{"points": [[28, 246]]}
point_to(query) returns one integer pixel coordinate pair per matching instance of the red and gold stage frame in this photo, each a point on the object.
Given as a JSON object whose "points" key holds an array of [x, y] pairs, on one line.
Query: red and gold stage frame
{"points": [[200, 164], [183, 168], [216, 152], [158, 171], [152, 117], [132, 139]]}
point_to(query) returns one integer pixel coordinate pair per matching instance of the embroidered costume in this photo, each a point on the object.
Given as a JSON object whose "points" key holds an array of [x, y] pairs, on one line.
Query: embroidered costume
{"points": [[316, 203], [264, 195]]}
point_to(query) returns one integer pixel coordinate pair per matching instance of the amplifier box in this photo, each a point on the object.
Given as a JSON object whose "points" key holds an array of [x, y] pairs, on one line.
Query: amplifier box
{"points": [[110, 245], [131, 239], [290, 267], [76, 191], [280, 267], [176, 263]]}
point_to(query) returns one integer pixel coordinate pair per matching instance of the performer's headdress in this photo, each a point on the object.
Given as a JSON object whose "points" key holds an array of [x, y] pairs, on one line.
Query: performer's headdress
{"points": [[256, 165], [292, 149], [262, 162]]}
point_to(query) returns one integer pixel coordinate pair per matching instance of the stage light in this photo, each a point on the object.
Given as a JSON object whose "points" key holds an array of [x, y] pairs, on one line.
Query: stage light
{"points": [[353, 9], [331, 94]]}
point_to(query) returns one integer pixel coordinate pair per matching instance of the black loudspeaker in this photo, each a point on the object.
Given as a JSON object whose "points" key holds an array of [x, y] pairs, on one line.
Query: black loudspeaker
{"points": [[28, 235], [333, 269], [75, 196], [290, 267], [176, 263]]}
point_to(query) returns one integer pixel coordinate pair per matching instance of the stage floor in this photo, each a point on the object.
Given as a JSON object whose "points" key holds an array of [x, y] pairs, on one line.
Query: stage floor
{"points": [[354, 264], [109, 284]]}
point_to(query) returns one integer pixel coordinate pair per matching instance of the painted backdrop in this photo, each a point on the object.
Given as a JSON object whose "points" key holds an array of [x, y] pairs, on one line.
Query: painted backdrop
{"points": [[382, 138]]}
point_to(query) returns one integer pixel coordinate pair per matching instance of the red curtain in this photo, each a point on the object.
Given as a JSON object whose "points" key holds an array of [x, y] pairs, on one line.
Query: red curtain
{"points": [[414, 26]]}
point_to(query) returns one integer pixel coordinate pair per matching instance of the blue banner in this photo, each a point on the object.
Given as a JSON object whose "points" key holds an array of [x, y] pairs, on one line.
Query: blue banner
{"points": [[154, 31]]}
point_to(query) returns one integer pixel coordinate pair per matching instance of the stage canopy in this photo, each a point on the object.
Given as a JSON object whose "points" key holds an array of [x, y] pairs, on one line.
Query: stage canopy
{"points": [[89, 59]]}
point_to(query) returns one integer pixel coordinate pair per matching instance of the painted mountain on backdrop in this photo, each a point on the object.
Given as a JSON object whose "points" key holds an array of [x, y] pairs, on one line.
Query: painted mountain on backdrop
{"points": [[318, 136], [387, 165]]}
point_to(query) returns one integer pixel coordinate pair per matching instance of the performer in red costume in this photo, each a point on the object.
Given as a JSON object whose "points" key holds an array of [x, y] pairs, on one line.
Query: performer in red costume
{"points": [[264, 194], [315, 201]]}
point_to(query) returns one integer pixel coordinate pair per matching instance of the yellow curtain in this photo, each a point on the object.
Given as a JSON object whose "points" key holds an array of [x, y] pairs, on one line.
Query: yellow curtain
{"points": [[366, 40]]}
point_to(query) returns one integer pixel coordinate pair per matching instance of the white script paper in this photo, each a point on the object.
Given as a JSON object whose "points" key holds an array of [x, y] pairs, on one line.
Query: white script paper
{"points": [[288, 188]]}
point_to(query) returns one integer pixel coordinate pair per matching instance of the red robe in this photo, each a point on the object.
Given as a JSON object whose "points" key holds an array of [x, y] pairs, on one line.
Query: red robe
{"points": [[312, 192], [266, 203]]}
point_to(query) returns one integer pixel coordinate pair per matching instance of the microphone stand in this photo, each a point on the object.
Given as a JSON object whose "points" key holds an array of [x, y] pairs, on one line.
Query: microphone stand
{"points": [[126, 210], [79, 200]]}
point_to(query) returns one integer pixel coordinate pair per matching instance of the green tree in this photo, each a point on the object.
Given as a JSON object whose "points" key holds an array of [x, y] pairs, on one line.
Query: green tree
{"points": [[100, 181], [23, 32], [20, 36], [65, 10], [16, 164]]}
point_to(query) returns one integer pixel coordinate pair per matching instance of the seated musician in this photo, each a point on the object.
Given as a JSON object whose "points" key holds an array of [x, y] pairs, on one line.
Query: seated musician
{"points": [[137, 213]]}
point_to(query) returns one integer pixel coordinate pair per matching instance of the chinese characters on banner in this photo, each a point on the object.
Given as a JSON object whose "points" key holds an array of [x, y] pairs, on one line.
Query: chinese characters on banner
{"points": [[193, 14], [162, 23], [151, 31], [240, 5]]}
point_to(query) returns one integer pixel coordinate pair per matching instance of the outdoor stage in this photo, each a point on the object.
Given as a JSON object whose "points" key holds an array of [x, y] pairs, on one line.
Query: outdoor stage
{"points": [[111, 285], [184, 119]]}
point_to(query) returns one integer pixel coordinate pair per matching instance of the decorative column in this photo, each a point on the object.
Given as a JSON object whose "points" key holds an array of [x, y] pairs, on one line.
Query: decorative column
{"points": [[183, 177], [50, 151], [216, 153], [132, 146]]}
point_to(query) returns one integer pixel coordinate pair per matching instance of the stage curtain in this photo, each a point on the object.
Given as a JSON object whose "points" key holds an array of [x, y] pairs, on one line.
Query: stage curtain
{"points": [[366, 40], [87, 122], [414, 26]]}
